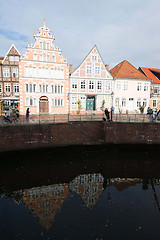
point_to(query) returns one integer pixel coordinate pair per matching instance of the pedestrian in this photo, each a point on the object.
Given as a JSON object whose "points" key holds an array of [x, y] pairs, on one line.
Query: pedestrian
{"points": [[17, 113], [107, 114], [27, 114]]}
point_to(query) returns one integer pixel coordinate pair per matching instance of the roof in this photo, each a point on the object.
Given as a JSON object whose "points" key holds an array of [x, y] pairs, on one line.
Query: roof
{"points": [[1, 59], [152, 73], [127, 70]]}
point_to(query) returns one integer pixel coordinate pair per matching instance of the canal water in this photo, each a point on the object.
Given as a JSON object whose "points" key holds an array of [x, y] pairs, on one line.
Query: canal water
{"points": [[80, 192]]}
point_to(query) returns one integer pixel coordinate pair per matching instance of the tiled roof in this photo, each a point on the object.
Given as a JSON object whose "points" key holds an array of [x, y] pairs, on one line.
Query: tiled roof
{"points": [[149, 72], [1, 59], [127, 70]]}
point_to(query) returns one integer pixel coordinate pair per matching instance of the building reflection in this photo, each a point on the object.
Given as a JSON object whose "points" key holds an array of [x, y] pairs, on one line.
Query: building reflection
{"points": [[89, 187], [46, 201]]}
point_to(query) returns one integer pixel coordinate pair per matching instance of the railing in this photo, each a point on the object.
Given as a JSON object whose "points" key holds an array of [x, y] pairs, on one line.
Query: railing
{"points": [[40, 119]]}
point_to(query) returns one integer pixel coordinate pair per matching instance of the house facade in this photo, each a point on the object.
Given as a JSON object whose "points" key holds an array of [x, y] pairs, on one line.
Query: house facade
{"points": [[154, 74], [131, 88], [9, 79], [44, 76], [90, 85]]}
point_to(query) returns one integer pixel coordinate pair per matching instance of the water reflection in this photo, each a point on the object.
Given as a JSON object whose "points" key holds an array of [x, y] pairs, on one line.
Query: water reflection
{"points": [[93, 198]]}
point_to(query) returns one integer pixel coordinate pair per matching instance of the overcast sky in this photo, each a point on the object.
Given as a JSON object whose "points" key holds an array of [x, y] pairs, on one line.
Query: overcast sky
{"points": [[121, 29]]}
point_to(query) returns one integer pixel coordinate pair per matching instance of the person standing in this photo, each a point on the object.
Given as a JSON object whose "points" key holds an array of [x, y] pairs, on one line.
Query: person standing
{"points": [[107, 114], [27, 114]]}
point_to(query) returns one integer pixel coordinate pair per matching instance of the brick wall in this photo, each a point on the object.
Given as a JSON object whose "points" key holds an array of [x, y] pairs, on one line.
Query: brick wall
{"points": [[77, 133]]}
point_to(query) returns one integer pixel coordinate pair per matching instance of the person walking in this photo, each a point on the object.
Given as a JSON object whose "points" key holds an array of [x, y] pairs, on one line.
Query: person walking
{"points": [[27, 114]]}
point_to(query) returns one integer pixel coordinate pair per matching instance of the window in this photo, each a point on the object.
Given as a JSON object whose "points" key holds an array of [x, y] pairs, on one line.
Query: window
{"points": [[117, 102], [74, 101], [125, 86], [40, 57], [57, 88], [30, 87], [118, 85], [99, 85], [146, 86], [83, 84], [138, 102], [0, 88], [139, 86], [5, 72], [83, 101], [40, 88], [53, 58], [144, 102], [44, 58], [7, 87], [16, 88], [74, 84], [91, 84], [48, 58], [94, 57], [89, 69], [15, 72], [97, 70], [108, 85], [155, 90], [41, 45], [123, 102], [58, 102], [35, 57], [14, 58], [26, 87], [47, 45], [154, 103], [34, 87]]}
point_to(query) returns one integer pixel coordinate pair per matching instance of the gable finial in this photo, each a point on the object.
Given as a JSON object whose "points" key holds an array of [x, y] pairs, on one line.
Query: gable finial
{"points": [[44, 23]]}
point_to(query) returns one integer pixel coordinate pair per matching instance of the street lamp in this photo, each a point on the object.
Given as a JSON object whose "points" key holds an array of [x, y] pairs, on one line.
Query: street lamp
{"points": [[111, 104]]}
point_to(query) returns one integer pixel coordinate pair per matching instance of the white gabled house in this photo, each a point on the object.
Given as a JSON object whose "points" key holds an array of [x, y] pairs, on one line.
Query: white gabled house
{"points": [[90, 85]]}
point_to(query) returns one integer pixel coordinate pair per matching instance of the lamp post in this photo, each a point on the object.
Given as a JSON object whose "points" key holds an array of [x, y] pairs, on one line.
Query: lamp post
{"points": [[111, 105]]}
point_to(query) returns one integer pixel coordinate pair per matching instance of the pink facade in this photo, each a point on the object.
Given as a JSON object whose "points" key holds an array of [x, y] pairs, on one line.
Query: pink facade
{"points": [[90, 85], [44, 77]]}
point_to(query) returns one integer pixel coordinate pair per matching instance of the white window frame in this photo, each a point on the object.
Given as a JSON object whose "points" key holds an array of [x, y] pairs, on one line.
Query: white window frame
{"points": [[99, 85], [97, 70], [118, 85], [91, 85], [88, 69], [16, 87], [108, 85], [6, 72], [74, 83], [7, 87], [83, 84], [139, 86], [15, 72], [125, 86], [146, 87], [138, 102], [154, 103]]}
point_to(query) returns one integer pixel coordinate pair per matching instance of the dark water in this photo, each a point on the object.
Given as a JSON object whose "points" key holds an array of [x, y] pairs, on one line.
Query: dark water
{"points": [[81, 193]]}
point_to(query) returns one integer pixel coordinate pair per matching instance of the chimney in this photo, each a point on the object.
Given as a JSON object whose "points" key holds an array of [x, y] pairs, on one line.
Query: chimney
{"points": [[70, 68], [107, 66]]}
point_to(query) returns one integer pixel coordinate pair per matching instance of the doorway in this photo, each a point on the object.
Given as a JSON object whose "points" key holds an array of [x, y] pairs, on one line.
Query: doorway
{"points": [[43, 105]]}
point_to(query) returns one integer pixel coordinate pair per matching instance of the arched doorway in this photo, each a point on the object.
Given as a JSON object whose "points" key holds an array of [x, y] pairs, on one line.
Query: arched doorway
{"points": [[43, 104]]}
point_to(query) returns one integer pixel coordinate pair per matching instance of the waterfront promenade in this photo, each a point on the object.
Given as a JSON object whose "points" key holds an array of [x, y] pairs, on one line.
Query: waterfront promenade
{"points": [[63, 118]]}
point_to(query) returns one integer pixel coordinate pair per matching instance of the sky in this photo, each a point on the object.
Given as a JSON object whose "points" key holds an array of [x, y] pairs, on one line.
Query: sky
{"points": [[121, 29]]}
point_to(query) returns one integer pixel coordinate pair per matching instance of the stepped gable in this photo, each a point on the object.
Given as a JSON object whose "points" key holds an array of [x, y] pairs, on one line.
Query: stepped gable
{"points": [[152, 73], [127, 70]]}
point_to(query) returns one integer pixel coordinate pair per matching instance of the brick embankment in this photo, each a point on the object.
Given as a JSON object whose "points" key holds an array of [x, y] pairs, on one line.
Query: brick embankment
{"points": [[17, 137]]}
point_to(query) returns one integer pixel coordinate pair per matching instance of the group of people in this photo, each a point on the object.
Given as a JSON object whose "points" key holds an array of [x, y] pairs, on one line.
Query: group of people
{"points": [[153, 113], [107, 114]]}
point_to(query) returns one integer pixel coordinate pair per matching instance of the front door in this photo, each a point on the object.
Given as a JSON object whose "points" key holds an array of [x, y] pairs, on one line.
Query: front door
{"points": [[90, 103], [131, 104], [43, 105]]}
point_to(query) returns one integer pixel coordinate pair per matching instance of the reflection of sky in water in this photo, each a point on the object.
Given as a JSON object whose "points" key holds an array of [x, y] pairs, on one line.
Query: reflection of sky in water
{"points": [[123, 210]]}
